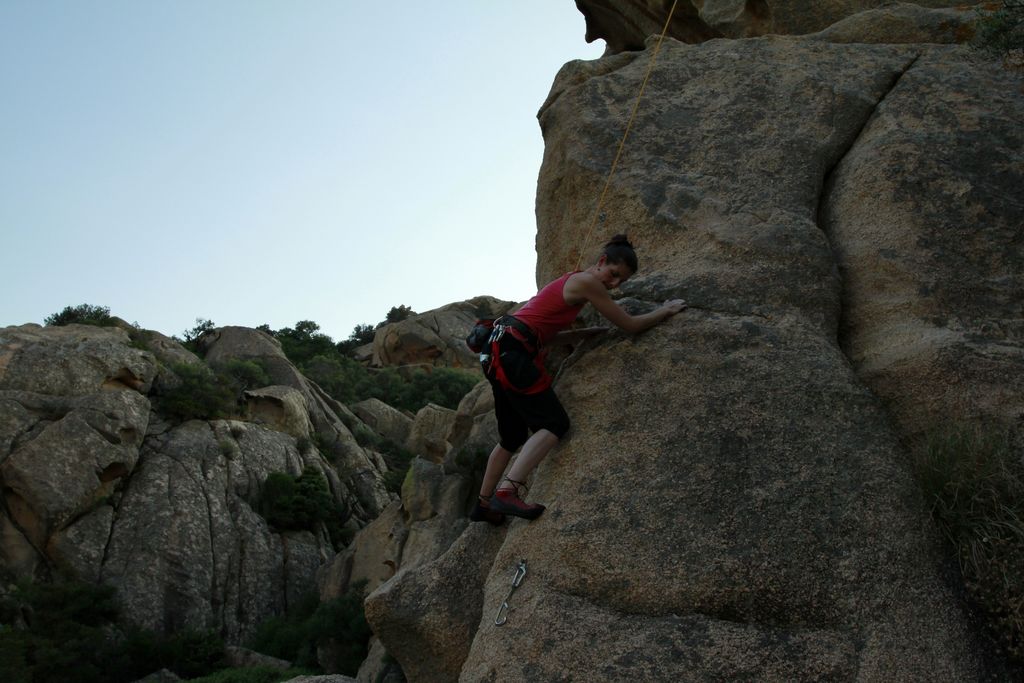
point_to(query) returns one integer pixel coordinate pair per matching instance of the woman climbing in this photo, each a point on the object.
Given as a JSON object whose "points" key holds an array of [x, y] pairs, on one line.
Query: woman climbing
{"points": [[513, 363]]}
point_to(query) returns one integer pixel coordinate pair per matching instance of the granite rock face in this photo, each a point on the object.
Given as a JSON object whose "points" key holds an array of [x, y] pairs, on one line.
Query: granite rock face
{"points": [[362, 472], [187, 523], [391, 423], [933, 263], [734, 501], [72, 360], [98, 483], [626, 24]]}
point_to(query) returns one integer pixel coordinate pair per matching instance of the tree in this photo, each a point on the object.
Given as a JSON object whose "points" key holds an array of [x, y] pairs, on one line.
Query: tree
{"points": [[82, 314], [1001, 33], [361, 334], [397, 314], [304, 342]]}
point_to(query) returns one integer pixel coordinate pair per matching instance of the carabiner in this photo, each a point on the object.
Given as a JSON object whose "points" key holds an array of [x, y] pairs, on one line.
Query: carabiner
{"points": [[520, 574], [502, 616]]}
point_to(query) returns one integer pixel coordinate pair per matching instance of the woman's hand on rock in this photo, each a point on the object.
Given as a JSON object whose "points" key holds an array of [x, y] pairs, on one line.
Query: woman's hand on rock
{"points": [[673, 306]]}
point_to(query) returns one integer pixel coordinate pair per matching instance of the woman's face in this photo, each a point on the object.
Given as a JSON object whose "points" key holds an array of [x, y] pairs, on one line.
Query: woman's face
{"points": [[612, 275]]}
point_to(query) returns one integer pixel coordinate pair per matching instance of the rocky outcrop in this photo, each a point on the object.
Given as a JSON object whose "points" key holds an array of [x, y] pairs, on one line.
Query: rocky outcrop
{"points": [[429, 615], [428, 432], [626, 24], [436, 338], [390, 423], [363, 474], [283, 409], [72, 361], [98, 483], [424, 535], [474, 428], [902, 22], [734, 501]]}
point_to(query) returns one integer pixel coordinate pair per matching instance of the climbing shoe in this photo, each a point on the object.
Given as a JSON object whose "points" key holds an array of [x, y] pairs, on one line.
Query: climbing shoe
{"points": [[483, 513], [509, 502]]}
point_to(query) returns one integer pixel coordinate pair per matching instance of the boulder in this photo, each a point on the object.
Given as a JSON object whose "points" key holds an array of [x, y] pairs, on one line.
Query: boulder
{"points": [[72, 458], [72, 360], [373, 556], [427, 615], [378, 667], [479, 401], [386, 421], [435, 508], [364, 353], [280, 408], [626, 24], [18, 558], [429, 429], [167, 350], [436, 338]]}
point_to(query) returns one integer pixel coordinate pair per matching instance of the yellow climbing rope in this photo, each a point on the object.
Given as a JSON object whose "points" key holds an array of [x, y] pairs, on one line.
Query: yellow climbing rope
{"points": [[622, 142]]}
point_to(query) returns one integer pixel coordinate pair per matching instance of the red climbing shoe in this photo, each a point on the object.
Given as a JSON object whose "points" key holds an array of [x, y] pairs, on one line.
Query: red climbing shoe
{"points": [[509, 502], [483, 513]]}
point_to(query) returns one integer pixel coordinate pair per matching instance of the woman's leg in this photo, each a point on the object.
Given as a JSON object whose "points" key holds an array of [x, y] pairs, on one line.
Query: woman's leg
{"points": [[496, 464], [534, 451], [512, 432]]}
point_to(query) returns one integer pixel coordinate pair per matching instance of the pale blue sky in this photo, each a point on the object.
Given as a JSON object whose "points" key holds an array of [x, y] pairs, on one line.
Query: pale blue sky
{"points": [[257, 161]]}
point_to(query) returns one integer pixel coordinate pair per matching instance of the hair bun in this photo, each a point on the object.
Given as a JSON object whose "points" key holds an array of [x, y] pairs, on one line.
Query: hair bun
{"points": [[619, 239]]}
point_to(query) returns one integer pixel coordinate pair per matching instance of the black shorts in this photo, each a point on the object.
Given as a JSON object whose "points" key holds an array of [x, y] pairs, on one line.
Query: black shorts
{"points": [[518, 414]]}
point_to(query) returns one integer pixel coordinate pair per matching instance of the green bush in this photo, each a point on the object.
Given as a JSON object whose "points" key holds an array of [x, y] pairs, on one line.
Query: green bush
{"points": [[187, 653], [242, 375], [1001, 33], [974, 485], [82, 314], [348, 381], [70, 637], [190, 338], [398, 460], [254, 674], [296, 636], [341, 377], [342, 621], [289, 636], [206, 394], [366, 437], [301, 503], [304, 342], [200, 394], [443, 386]]}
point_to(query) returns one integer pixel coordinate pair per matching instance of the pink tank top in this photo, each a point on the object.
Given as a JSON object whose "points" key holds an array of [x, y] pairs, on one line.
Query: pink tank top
{"points": [[547, 313]]}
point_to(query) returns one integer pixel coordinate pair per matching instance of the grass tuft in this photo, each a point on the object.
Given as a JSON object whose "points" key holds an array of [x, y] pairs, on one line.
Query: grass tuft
{"points": [[974, 484]]}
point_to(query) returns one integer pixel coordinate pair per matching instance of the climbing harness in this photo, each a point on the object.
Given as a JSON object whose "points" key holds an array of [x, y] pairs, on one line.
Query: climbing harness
{"points": [[598, 215], [502, 616], [498, 363]]}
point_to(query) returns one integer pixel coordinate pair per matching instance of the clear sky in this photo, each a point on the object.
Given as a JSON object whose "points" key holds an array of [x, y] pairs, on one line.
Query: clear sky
{"points": [[258, 161]]}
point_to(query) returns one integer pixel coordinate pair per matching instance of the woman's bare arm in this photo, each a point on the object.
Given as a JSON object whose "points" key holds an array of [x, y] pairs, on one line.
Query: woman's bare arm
{"points": [[585, 286]]}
